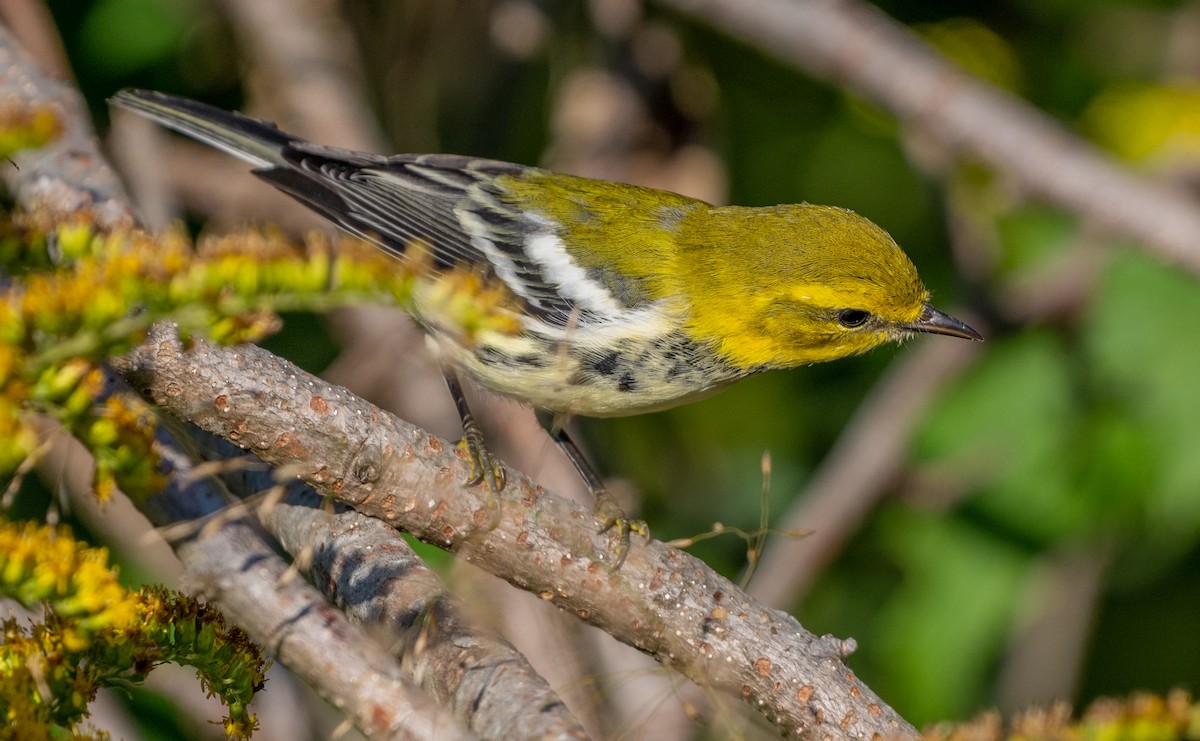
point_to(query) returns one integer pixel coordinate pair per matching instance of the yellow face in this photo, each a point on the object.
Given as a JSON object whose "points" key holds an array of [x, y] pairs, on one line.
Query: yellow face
{"points": [[793, 285]]}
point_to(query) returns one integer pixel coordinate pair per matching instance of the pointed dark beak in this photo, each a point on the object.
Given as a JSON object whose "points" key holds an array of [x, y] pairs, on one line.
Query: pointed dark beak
{"points": [[933, 321]]}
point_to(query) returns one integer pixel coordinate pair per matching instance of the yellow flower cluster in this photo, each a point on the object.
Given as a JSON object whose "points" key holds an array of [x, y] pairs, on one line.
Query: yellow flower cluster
{"points": [[23, 126], [41, 564], [1143, 717], [468, 302], [192, 633], [97, 633], [76, 295]]}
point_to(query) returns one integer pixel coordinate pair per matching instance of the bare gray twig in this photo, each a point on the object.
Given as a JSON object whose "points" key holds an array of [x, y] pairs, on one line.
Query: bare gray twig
{"points": [[854, 475]]}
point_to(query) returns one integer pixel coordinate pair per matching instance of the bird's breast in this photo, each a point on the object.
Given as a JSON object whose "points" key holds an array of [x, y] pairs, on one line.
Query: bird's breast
{"points": [[595, 372]]}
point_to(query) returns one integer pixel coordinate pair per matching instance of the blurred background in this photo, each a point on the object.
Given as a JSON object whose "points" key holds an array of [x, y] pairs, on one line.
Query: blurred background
{"points": [[995, 524]]}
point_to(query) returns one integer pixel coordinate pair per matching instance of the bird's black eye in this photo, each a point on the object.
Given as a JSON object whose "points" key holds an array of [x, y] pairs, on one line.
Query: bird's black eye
{"points": [[853, 317]]}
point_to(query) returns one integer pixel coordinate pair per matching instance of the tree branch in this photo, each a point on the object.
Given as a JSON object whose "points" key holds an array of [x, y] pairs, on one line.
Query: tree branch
{"points": [[370, 572], [231, 565], [663, 601], [68, 176], [855, 46]]}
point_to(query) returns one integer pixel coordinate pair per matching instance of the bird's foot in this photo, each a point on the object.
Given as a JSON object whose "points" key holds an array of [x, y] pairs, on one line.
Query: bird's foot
{"points": [[485, 468], [608, 511]]}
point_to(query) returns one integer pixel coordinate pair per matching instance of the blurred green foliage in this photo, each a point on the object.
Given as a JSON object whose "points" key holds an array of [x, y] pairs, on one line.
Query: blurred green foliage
{"points": [[1079, 431], [123, 36]]}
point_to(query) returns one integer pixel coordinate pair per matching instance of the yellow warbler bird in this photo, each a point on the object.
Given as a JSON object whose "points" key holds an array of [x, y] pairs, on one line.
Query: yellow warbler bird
{"points": [[628, 299]]}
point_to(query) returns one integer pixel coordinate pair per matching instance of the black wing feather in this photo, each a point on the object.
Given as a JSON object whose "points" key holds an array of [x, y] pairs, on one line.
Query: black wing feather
{"points": [[450, 202], [398, 199]]}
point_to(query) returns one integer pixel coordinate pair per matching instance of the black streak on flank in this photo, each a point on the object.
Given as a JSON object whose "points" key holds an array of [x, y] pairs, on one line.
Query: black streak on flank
{"points": [[607, 365], [531, 360], [626, 383], [679, 368]]}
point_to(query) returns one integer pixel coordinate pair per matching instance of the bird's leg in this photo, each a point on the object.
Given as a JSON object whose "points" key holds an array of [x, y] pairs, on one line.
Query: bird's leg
{"points": [[484, 466], [608, 511]]}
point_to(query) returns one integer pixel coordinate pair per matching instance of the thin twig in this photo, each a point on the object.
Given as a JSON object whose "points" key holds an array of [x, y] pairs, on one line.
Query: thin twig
{"points": [[32, 25], [234, 567], [867, 456]]}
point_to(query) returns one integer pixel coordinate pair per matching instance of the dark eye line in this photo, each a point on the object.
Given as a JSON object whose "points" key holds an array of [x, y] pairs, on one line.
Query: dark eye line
{"points": [[853, 317]]}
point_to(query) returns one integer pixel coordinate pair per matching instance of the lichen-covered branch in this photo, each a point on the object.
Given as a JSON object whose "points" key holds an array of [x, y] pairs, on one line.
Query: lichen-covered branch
{"points": [[662, 600], [370, 572], [231, 565]]}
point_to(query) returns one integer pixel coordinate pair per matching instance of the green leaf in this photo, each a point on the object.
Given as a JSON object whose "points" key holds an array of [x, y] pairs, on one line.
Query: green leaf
{"points": [[1031, 235], [949, 619], [1143, 348], [122, 36], [1006, 415]]}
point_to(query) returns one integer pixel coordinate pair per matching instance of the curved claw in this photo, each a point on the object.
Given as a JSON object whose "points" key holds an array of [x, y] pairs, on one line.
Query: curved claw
{"points": [[485, 466], [611, 516]]}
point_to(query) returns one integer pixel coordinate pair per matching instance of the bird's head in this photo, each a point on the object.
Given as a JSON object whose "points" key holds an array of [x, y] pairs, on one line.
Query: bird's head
{"points": [[793, 285]]}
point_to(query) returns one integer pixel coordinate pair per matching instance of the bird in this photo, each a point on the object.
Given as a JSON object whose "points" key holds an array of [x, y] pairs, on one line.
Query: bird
{"points": [[626, 299]]}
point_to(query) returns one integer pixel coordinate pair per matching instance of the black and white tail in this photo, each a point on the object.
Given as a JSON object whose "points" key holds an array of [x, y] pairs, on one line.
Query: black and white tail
{"points": [[256, 142]]}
